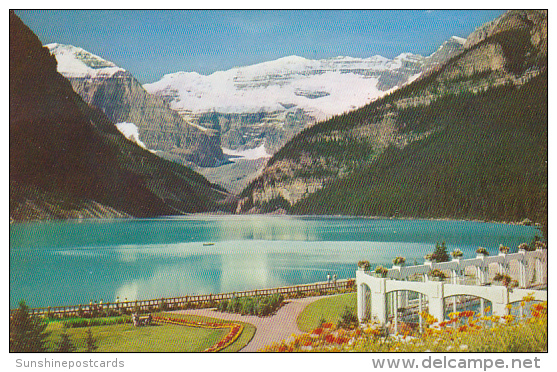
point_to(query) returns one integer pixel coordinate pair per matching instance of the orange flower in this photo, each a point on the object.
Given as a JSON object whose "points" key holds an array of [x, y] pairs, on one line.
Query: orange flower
{"points": [[466, 314], [327, 325]]}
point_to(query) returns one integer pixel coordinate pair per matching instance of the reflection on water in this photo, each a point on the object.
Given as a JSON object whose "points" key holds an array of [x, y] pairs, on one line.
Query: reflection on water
{"points": [[73, 262]]}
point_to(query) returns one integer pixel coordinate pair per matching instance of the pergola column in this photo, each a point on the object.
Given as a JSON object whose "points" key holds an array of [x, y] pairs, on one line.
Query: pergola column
{"points": [[362, 305], [379, 301], [436, 301], [522, 273]]}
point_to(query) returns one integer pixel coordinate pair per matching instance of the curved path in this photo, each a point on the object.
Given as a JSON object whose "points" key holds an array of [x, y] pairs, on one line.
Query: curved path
{"points": [[274, 328]]}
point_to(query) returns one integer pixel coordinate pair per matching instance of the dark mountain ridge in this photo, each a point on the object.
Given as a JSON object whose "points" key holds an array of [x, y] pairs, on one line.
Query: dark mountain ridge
{"points": [[68, 160]]}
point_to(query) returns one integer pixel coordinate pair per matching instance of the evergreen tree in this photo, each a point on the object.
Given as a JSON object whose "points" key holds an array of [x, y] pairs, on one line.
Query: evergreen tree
{"points": [[65, 345], [27, 332], [90, 341], [440, 253]]}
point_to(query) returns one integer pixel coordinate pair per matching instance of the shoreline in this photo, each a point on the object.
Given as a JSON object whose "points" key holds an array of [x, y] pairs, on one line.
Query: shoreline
{"points": [[272, 215]]}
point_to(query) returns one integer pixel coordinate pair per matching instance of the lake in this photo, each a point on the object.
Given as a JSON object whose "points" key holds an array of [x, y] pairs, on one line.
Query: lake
{"points": [[71, 262]]}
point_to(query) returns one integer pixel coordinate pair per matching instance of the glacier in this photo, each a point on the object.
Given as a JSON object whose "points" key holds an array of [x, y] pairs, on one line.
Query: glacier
{"points": [[131, 132]]}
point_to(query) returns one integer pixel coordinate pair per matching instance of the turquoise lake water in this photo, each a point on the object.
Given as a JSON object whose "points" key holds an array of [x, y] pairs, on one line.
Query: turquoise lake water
{"points": [[72, 262]]}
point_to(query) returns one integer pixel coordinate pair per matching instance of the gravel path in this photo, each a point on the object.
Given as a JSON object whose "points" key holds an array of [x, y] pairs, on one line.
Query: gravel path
{"points": [[269, 329]]}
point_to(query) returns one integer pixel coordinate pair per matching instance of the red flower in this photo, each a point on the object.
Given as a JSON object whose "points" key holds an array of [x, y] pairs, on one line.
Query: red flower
{"points": [[327, 325], [341, 340], [330, 339], [317, 331]]}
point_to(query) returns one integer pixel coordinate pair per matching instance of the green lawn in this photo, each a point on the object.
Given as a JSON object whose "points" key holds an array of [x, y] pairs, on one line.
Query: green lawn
{"points": [[329, 308], [155, 338]]}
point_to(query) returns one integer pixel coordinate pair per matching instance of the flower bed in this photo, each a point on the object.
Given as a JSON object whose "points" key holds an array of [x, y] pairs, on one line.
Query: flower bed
{"points": [[235, 330], [464, 331]]}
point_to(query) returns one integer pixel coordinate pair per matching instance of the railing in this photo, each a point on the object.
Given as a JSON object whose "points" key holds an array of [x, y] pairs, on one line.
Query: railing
{"points": [[181, 302], [537, 259]]}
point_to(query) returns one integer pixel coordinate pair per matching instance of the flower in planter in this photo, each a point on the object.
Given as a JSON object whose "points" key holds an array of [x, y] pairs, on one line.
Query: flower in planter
{"points": [[429, 257], [364, 265], [399, 260], [482, 250], [541, 245], [457, 253], [436, 273], [381, 271], [525, 247], [503, 278], [503, 249]]}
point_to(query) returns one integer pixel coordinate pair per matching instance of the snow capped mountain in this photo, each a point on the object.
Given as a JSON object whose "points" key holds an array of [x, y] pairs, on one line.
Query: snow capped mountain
{"points": [[77, 62], [321, 88], [123, 100], [447, 50], [244, 113]]}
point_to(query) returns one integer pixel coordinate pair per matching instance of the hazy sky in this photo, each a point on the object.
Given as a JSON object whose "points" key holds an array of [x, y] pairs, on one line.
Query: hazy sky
{"points": [[151, 43]]}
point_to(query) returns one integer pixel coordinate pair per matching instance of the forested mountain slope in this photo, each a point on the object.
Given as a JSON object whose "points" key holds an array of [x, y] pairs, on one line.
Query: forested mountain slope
{"points": [[467, 140]]}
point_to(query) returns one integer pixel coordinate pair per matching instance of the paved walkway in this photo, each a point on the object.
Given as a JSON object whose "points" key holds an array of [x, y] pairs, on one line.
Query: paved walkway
{"points": [[269, 329]]}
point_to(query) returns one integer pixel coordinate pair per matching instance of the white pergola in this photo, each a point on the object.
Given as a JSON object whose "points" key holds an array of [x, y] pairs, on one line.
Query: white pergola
{"points": [[373, 292]]}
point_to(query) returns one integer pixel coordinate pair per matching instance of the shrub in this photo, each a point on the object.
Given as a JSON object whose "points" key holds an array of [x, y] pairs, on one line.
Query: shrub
{"points": [[90, 341], [27, 332], [348, 319], [503, 249], [259, 305], [65, 345], [85, 322], [440, 253], [222, 305]]}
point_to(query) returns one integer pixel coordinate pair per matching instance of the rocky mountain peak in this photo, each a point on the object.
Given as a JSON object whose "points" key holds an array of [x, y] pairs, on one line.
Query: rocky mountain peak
{"points": [[77, 62], [535, 21]]}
